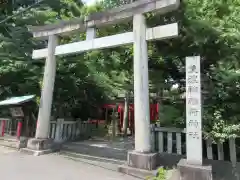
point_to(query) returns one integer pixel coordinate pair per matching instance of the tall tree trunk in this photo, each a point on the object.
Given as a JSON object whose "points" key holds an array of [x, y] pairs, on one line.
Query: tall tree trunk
{"points": [[126, 112]]}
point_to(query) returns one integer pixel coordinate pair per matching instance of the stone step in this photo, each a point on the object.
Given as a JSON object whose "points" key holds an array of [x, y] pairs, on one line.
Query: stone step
{"points": [[96, 150], [171, 174], [13, 142], [36, 153], [139, 173], [109, 164], [95, 159], [8, 139], [12, 146], [112, 164], [8, 143]]}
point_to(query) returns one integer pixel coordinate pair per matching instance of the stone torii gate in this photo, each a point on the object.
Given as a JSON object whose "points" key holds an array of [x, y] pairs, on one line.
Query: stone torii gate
{"points": [[141, 157]]}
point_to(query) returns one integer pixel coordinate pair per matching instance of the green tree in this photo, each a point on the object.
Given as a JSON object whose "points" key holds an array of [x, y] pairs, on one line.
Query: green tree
{"points": [[207, 28]]}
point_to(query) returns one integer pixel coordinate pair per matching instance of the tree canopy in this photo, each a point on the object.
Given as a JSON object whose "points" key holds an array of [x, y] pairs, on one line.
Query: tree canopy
{"points": [[210, 29]]}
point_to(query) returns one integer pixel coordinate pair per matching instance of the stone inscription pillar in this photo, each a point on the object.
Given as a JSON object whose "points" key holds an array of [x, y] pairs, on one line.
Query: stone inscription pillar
{"points": [[192, 168]]}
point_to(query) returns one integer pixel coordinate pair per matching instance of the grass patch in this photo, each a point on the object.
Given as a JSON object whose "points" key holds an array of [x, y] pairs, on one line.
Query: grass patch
{"points": [[161, 175]]}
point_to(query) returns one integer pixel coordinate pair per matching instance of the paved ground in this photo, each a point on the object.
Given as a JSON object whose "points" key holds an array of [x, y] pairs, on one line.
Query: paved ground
{"points": [[102, 147], [17, 166]]}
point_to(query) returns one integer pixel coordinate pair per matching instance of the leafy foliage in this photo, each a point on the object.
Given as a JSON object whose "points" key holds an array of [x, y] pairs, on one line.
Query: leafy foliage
{"points": [[161, 174], [207, 28]]}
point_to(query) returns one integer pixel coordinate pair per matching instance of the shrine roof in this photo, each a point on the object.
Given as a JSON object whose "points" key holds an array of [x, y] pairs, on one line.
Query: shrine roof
{"points": [[16, 100], [99, 19]]}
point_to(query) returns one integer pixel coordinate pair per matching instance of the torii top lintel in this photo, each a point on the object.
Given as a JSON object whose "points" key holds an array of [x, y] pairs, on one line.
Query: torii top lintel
{"points": [[112, 16]]}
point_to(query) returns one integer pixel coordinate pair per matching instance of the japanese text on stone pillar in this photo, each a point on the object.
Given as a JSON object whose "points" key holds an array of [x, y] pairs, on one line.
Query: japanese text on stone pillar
{"points": [[193, 110]]}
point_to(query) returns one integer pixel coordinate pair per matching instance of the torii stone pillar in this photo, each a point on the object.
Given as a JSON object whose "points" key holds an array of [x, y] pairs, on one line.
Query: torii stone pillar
{"points": [[41, 142], [44, 113], [141, 157], [141, 92]]}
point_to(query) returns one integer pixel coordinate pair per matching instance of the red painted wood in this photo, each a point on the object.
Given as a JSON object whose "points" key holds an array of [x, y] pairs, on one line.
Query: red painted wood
{"points": [[3, 127], [19, 129], [153, 114]]}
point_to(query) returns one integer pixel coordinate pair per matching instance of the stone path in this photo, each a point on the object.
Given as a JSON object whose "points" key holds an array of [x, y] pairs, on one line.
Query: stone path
{"points": [[102, 147], [17, 166]]}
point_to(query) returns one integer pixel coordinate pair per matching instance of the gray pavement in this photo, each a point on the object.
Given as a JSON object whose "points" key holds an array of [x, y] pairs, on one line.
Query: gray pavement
{"points": [[18, 166]]}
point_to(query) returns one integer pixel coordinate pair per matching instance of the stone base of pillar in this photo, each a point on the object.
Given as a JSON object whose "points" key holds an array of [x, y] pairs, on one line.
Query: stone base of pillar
{"points": [[140, 164], [194, 172], [22, 143], [147, 161], [40, 146], [139, 173]]}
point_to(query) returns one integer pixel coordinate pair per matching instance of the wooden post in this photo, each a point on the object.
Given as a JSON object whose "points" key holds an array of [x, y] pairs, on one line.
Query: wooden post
{"points": [[126, 114], [121, 119], [233, 154], [113, 124], [106, 115], [3, 127], [19, 129]]}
